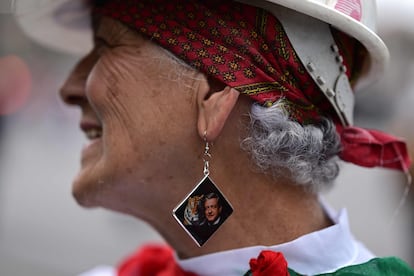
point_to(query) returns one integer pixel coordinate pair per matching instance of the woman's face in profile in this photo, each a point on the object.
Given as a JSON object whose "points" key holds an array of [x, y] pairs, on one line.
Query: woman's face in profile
{"points": [[137, 108]]}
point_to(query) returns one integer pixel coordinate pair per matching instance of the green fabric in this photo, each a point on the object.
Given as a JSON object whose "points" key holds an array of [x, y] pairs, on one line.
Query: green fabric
{"points": [[390, 266]]}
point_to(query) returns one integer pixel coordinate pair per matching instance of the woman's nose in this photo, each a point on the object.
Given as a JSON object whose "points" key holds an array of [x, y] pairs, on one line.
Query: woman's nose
{"points": [[73, 90]]}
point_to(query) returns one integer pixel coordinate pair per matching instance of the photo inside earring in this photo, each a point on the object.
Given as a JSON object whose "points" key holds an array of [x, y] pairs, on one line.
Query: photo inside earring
{"points": [[203, 211]]}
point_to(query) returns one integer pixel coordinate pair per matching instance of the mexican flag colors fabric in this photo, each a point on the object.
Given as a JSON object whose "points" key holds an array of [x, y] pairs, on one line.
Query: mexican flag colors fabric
{"points": [[155, 260]]}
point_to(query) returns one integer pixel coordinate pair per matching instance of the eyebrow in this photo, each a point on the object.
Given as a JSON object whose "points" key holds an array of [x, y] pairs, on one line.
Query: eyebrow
{"points": [[113, 32]]}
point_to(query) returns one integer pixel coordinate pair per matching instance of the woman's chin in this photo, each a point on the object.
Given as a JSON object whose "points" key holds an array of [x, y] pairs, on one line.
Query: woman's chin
{"points": [[88, 182], [84, 195], [88, 185], [94, 186]]}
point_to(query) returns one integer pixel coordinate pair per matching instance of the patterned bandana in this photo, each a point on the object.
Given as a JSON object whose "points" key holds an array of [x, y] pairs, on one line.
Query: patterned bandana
{"points": [[247, 49]]}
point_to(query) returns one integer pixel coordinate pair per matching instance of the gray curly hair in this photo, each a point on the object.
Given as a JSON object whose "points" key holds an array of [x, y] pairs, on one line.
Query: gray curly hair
{"points": [[278, 144]]}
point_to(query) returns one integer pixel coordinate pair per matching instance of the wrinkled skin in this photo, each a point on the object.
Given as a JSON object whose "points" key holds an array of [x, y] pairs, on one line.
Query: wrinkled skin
{"points": [[122, 86], [146, 117]]}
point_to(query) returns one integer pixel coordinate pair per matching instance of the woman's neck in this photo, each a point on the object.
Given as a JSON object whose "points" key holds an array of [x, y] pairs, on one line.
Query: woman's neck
{"points": [[267, 211]]}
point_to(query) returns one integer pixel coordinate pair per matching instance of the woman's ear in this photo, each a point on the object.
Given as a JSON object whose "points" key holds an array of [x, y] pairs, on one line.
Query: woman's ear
{"points": [[215, 102]]}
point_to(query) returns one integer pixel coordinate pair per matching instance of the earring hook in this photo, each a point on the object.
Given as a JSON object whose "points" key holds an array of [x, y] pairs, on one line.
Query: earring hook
{"points": [[207, 155]]}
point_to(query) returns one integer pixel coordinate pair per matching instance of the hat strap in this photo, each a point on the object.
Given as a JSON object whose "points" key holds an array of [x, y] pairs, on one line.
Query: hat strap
{"points": [[317, 50]]}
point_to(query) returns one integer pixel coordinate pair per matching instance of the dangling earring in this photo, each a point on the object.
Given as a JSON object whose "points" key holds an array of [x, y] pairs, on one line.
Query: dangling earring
{"points": [[205, 208], [206, 156]]}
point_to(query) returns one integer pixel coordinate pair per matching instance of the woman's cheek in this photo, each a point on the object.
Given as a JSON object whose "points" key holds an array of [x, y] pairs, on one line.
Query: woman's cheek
{"points": [[102, 86]]}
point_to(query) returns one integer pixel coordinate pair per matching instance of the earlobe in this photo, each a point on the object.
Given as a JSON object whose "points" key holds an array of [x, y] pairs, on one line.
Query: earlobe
{"points": [[214, 108]]}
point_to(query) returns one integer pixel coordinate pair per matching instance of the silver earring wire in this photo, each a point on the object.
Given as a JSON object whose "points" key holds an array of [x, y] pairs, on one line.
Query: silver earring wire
{"points": [[206, 156]]}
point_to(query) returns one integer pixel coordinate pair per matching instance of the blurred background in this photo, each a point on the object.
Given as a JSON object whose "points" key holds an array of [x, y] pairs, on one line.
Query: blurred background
{"points": [[44, 232]]}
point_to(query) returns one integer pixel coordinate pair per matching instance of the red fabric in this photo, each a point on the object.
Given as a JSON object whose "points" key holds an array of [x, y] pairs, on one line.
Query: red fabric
{"points": [[229, 41], [269, 263], [372, 148], [158, 260], [152, 260], [246, 48]]}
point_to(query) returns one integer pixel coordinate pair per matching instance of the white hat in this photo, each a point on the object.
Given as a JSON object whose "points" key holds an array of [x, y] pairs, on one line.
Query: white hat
{"points": [[64, 24], [357, 18]]}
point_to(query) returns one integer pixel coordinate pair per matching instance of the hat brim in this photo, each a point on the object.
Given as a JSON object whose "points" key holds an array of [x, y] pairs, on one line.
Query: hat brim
{"points": [[64, 25], [363, 29]]}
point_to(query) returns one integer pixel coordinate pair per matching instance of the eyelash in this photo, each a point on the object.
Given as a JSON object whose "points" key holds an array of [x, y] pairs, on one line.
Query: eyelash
{"points": [[101, 46]]}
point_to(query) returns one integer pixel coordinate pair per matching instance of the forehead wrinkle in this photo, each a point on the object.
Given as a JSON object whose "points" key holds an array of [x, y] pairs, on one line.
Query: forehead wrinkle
{"points": [[118, 67]]}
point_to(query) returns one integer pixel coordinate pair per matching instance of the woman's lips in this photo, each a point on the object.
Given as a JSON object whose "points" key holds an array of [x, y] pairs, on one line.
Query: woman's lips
{"points": [[93, 131]]}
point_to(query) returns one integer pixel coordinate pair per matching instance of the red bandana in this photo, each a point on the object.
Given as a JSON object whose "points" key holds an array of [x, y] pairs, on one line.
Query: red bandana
{"points": [[246, 48]]}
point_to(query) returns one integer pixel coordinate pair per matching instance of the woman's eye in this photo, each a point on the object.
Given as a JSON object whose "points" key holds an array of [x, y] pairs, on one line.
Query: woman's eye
{"points": [[101, 46], [100, 50]]}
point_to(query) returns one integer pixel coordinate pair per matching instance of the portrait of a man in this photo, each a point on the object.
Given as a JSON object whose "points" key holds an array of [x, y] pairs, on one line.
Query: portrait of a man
{"points": [[212, 209], [203, 211]]}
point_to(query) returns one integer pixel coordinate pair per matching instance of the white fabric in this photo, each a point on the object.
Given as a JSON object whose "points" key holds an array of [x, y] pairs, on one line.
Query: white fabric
{"points": [[322, 251], [100, 271]]}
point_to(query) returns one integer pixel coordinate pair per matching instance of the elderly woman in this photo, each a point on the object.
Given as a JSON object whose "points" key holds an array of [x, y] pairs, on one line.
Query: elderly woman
{"points": [[249, 101]]}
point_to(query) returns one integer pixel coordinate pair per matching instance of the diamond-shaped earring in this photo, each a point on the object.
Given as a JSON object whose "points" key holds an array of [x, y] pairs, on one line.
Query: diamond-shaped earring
{"points": [[205, 208]]}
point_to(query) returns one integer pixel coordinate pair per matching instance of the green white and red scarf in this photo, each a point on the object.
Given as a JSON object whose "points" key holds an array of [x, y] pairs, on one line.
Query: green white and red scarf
{"points": [[154, 260]]}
